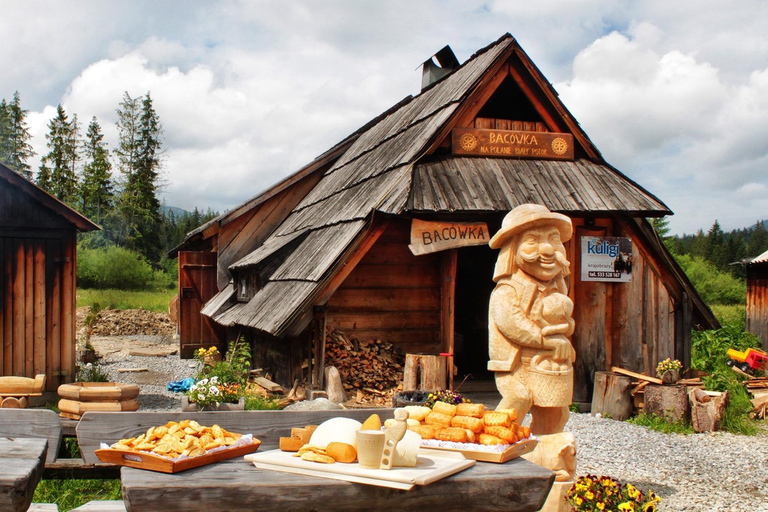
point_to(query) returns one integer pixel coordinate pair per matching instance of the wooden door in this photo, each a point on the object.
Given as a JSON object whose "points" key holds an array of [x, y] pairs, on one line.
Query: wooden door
{"points": [[197, 285]]}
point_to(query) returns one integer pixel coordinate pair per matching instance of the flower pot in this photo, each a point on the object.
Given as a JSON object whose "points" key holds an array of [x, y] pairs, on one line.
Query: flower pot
{"points": [[670, 376], [187, 406], [403, 398]]}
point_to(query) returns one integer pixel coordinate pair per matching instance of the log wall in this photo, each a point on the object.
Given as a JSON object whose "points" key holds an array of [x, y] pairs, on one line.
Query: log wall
{"points": [[631, 325], [37, 306], [392, 295], [757, 302]]}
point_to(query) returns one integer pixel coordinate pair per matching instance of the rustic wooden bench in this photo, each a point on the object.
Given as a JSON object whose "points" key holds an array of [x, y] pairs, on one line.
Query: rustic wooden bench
{"points": [[33, 423], [236, 484], [21, 467]]}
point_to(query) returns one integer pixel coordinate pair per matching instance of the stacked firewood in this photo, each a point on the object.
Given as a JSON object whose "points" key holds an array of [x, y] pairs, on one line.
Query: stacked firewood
{"points": [[371, 365]]}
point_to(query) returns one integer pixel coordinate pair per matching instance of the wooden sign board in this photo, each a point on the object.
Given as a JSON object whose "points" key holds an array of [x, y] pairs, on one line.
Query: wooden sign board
{"points": [[512, 144], [428, 237]]}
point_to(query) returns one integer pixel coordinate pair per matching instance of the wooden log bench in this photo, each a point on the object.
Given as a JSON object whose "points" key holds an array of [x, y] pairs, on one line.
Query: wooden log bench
{"points": [[21, 467], [15, 391], [236, 484]]}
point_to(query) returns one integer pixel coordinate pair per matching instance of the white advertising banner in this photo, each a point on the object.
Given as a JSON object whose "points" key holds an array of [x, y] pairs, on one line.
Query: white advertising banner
{"points": [[606, 258]]}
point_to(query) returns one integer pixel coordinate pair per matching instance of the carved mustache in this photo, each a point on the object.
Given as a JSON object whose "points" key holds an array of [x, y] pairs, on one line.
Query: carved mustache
{"points": [[559, 258]]}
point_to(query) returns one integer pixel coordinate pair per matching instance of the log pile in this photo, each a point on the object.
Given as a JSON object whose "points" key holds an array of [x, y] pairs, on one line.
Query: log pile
{"points": [[369, 366]]}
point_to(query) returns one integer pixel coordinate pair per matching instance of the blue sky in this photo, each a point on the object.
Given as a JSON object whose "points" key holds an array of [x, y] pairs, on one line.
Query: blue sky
{"points": [[674, 94]]}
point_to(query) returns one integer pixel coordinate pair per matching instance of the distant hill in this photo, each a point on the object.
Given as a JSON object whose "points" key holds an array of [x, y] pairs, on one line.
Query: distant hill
{"points": [[177, 212]]}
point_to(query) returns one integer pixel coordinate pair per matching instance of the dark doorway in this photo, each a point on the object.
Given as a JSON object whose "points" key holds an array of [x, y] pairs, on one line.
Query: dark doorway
{"points": [[474, 283]]}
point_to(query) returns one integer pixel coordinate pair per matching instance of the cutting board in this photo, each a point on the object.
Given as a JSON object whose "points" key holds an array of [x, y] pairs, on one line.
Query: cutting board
{"points": [[431, 465]]}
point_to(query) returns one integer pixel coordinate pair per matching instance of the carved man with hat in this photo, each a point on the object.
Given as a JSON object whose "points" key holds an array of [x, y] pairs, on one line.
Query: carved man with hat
{"points": [[530, 317]]}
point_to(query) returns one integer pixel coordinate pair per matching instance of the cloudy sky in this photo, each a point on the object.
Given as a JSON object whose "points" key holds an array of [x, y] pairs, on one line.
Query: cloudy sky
{"points": [[673, 93]]}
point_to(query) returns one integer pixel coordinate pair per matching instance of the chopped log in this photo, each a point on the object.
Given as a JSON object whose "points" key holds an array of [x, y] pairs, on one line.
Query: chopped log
{"points": [[636, 375], [611, 396], [669, 402], [132, 370], [333, 385], [372, 364], [267, 384], [706, 410], [424, 372]]}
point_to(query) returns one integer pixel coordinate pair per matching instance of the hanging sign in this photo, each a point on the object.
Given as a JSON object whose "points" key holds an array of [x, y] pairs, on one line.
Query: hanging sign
{"points": [[428, 236], [606, 258], [512, 144]]}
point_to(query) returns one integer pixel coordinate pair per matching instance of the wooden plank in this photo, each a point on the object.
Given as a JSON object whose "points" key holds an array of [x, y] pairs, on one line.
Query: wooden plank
{"points": [[39, 308], [33, 423], [68, 307], [518, 485], [4, 296], [392, 276], [53, 313], [17, 298], [447, 308], [428, 340], [384, 320], [640, 376], [8, 309], [386, 299], [29, 308], [21, 467]]}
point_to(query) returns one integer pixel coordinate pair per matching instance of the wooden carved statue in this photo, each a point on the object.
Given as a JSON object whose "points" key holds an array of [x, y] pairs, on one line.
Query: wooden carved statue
{"points": [[530, 317]]}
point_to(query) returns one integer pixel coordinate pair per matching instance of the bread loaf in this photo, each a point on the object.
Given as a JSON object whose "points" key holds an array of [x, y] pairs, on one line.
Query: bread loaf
{"points": [[489, 439], [417, 412], [496, 419], [453, 434], [437, 418], [291, 444], [468, 422]]}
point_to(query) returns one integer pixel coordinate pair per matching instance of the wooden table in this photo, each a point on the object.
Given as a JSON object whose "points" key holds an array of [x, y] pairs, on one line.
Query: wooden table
{"points": [[235, 484], [22, 461]]}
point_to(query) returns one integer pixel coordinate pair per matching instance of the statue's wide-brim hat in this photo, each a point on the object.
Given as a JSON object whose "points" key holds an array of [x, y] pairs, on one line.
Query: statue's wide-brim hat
{"points": [[528, 216]]}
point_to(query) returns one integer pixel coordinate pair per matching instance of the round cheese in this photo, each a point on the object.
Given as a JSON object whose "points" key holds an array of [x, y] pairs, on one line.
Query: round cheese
{"points": [[335, 430]]}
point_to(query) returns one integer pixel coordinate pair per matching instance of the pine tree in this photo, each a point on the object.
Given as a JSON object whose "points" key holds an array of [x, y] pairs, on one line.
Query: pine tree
{"points": [[758, 240], [715, 247], [140, 164], [96, 188], [15, 148], [58, 168]]}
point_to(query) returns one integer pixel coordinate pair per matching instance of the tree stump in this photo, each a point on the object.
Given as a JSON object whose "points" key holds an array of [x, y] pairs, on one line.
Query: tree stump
{"points": [[669, 402], [424, 372], [611, 396], [706, 411]]}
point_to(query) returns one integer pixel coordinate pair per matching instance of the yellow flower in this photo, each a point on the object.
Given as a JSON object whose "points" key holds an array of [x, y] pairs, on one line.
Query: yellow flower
{"points": [[600, 505], [627, 505], [579, 500], [650, 507]]}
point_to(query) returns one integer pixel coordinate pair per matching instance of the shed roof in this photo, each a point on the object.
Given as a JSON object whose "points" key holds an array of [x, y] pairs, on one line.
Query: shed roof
{"points": [[385, 167], [46, 200], [763, 258]]}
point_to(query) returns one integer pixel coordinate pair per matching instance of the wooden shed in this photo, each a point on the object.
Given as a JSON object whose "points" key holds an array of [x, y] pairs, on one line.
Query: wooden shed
{"points": [[757, 297], [37, 281], [341, 243]]}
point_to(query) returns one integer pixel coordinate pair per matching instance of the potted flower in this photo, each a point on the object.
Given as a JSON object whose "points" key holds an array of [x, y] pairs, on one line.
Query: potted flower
{"points": [[604, 493], [220, 384], [446, 395], [668, 370], [211, 395]]}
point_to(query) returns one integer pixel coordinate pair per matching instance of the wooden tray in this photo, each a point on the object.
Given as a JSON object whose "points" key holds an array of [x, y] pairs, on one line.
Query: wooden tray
{"points": [[430, 467], [143, 460], [513, 452]]}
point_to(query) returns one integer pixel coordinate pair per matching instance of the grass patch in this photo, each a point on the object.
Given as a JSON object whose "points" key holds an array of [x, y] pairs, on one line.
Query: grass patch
{"points": [[72, 493], [734, 314], [149, 300], [660, 424], [261, 403]]}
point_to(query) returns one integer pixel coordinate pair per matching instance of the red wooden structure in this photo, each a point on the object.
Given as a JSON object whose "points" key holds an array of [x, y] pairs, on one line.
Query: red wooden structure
{"points": [[37, 281]]}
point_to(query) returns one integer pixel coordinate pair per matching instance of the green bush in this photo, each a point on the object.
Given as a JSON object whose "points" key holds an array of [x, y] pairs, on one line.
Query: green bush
{"points": [[660, 424], [714, 286], [113, 267], [709, 353]]}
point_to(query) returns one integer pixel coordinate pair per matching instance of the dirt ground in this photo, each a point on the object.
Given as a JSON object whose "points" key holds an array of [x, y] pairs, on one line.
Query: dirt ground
{"points": [[115, 322]]}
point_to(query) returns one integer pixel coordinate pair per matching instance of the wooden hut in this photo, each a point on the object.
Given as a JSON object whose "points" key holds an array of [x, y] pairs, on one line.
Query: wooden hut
{"points": [[340, 244], [37, 281], [757, 297]]}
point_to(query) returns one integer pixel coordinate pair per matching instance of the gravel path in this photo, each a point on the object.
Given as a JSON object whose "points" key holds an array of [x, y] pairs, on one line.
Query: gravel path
{"points": [[702, 472]]}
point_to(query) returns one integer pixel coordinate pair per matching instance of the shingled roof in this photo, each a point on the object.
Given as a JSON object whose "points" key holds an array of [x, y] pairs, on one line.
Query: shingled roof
{"points": [[382, 168]]}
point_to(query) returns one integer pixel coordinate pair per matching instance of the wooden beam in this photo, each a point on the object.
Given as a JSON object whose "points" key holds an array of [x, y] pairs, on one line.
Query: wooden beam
{"points": [[447, 304], [636, 375]]}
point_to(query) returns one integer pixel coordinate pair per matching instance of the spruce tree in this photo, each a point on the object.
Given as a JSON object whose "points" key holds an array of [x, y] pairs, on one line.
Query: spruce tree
{"points": [[139, 156], [58, 173], [96, 187], [15, 148], [758, 240]]}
